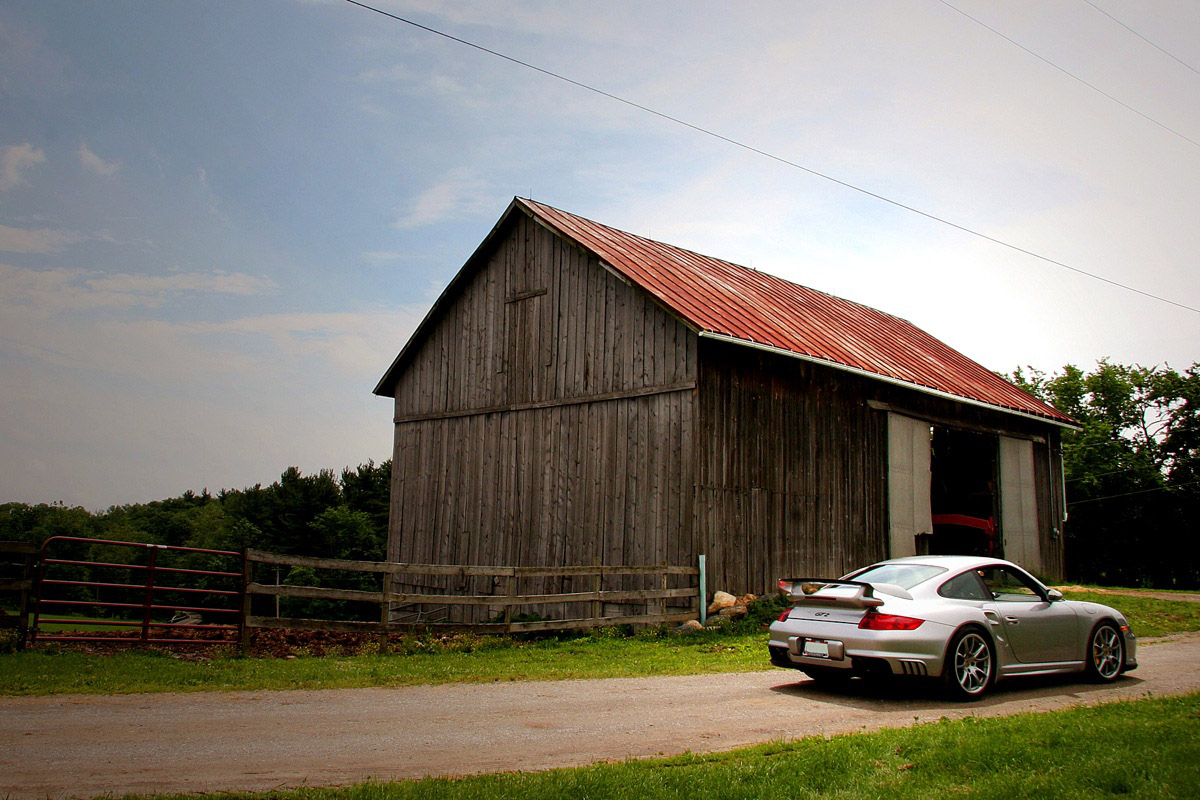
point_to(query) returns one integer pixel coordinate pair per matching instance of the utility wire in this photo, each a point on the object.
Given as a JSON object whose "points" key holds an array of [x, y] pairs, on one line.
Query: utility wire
{"points": [[1104, 474], [1071, 75], [773, 157], [1129, 494], [1143, 38]]}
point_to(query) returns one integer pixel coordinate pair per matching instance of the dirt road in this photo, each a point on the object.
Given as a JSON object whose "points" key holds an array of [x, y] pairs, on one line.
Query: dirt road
{"points": [[84, 746]]}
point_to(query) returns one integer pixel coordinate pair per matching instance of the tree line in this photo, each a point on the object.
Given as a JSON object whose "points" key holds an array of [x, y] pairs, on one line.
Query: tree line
{"points": [[323, 514], [1132, 471], [326, 515]]}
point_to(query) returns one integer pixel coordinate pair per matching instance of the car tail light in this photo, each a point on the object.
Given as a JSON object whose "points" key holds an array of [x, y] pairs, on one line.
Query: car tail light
{"points": [[783, 617], [888, 622]]}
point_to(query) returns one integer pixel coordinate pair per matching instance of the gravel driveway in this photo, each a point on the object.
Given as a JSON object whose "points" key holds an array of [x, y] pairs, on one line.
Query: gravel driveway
{"points": [[84, 746]]}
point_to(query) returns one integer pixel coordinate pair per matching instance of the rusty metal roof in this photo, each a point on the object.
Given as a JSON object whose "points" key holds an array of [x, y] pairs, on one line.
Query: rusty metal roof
{"points": [[733, 303]]}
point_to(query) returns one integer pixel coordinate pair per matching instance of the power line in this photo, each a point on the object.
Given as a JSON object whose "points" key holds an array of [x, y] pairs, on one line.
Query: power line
{"points": [[1143, 38], [1069, 74], [1105, 474], [773, 157], [1129, 494]]}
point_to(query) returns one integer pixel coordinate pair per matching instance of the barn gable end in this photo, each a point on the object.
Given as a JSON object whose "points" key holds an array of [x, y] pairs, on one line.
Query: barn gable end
{"points": [[543, 414]]}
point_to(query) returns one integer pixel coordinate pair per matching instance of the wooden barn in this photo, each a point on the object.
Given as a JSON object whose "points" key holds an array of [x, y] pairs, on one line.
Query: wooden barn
{"points": [[582, 395]]}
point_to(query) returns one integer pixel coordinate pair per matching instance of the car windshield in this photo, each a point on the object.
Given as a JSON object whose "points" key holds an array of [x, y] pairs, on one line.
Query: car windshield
{"points": [[905, 576]]}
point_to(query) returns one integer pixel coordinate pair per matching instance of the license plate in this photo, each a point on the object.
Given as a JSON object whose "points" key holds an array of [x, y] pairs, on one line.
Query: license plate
{"points": [[816, 649]]}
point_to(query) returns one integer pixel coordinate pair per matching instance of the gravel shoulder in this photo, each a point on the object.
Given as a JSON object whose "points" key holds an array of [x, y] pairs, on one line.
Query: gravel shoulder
{"points": [[86, 746]]}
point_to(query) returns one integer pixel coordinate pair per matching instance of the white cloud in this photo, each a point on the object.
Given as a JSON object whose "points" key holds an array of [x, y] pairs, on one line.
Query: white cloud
{"points": [[459, 193], [95, 163], [219, 282], [54, 291], [14, 160], [179, 405], [41, 317], [355, 342], [377, 257], [34, 240]]}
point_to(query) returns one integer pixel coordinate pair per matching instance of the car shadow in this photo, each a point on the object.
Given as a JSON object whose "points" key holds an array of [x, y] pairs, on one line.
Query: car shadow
{"points": [[922, 694]]}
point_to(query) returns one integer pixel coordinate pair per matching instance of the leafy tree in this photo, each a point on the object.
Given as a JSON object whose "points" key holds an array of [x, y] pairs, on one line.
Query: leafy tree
{"points": [[368, 489], [1130, 471]]}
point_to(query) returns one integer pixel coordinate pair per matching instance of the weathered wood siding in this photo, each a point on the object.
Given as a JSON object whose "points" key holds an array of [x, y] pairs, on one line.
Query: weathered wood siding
{"points": [[1047, 465], [791, 470], [546, 419]]}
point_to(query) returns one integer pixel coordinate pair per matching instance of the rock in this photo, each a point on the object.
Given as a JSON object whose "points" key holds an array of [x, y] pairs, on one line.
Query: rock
{"points": [[734, 612], [691, 626], [747, 599], [721, 600]]}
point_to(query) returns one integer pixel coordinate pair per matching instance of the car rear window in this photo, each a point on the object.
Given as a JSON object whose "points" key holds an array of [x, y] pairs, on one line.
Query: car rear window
{"points": [[905, 576]]}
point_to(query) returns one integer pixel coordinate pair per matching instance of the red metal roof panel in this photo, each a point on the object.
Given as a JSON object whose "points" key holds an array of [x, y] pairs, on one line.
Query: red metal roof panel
{"points": [[719, 297]]}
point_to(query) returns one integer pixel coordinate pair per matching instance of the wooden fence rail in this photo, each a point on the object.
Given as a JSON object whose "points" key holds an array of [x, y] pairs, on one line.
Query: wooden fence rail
{"points": [[509, 600]]}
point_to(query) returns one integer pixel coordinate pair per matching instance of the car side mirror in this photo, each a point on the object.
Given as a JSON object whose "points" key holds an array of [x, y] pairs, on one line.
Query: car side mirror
{"points": [[1054, 594]]}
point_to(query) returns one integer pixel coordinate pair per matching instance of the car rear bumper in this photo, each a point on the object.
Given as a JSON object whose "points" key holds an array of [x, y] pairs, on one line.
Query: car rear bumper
{"points": [[919, 652]]}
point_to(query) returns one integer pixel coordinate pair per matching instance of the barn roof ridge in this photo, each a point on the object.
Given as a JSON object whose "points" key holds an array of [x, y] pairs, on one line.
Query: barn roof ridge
{"points": [[726, 301]]}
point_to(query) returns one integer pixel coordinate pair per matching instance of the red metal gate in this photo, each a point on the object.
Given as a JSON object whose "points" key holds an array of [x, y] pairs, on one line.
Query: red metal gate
{"points": [[202, 588]]}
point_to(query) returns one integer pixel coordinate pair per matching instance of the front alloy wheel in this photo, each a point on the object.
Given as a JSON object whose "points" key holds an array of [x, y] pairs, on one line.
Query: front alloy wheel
{"points": [[1106, 653], [971, 667]]}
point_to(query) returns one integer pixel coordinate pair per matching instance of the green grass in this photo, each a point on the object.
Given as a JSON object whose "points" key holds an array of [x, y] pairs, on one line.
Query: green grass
{"points": [[470, 660], [1142, 749], [60, 671], [1149, 616]]}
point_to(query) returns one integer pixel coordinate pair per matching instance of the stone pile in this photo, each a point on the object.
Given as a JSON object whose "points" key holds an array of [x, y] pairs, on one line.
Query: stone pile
{"points": [[724, 605]]}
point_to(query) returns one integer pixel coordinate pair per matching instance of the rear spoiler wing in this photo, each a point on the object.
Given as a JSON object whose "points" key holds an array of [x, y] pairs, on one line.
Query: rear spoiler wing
{"points": [[816, 591]]}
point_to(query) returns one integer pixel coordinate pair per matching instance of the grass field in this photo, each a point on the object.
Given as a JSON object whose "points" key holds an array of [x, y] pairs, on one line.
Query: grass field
{"points": [[1143, 749], [478, 660], [1148, 616], [58, 671]]}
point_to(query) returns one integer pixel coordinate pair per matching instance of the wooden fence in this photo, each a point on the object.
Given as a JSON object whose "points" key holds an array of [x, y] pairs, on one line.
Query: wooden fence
{"points": [[16, 577], [656, 600], [608, 589]]}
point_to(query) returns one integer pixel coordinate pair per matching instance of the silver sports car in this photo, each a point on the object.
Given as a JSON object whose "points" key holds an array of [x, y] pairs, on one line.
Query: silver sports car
{"points": [[966, 620]]}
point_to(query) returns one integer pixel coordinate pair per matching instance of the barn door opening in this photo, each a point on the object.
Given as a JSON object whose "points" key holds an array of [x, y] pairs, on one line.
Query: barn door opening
{"points": [[964, 500]]}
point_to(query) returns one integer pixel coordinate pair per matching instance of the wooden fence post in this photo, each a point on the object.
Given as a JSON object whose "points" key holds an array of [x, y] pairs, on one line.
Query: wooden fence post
{"points": [[385, 612], [23, 586], [510, 589], [247, 578], [662, 603], [597, 610]]}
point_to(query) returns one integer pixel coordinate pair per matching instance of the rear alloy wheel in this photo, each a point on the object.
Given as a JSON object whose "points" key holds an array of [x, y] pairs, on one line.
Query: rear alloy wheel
{"points": [[1106, 653], [970, 668]]}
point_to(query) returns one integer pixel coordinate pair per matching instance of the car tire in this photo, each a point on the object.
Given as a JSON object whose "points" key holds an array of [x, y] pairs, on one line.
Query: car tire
{"points": [[1105, 653], [828, 676], [969, 669]]}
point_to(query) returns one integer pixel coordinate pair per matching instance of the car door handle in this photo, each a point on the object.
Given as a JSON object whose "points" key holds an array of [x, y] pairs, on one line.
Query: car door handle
{"points": [[1013, 620]]}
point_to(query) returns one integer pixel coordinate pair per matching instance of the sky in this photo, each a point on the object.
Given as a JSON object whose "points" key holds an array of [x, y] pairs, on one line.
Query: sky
{"points": [[220, 221]]}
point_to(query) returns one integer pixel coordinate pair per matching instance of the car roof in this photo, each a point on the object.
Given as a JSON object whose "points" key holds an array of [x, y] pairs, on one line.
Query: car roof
{"points": [[949, 562]]}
